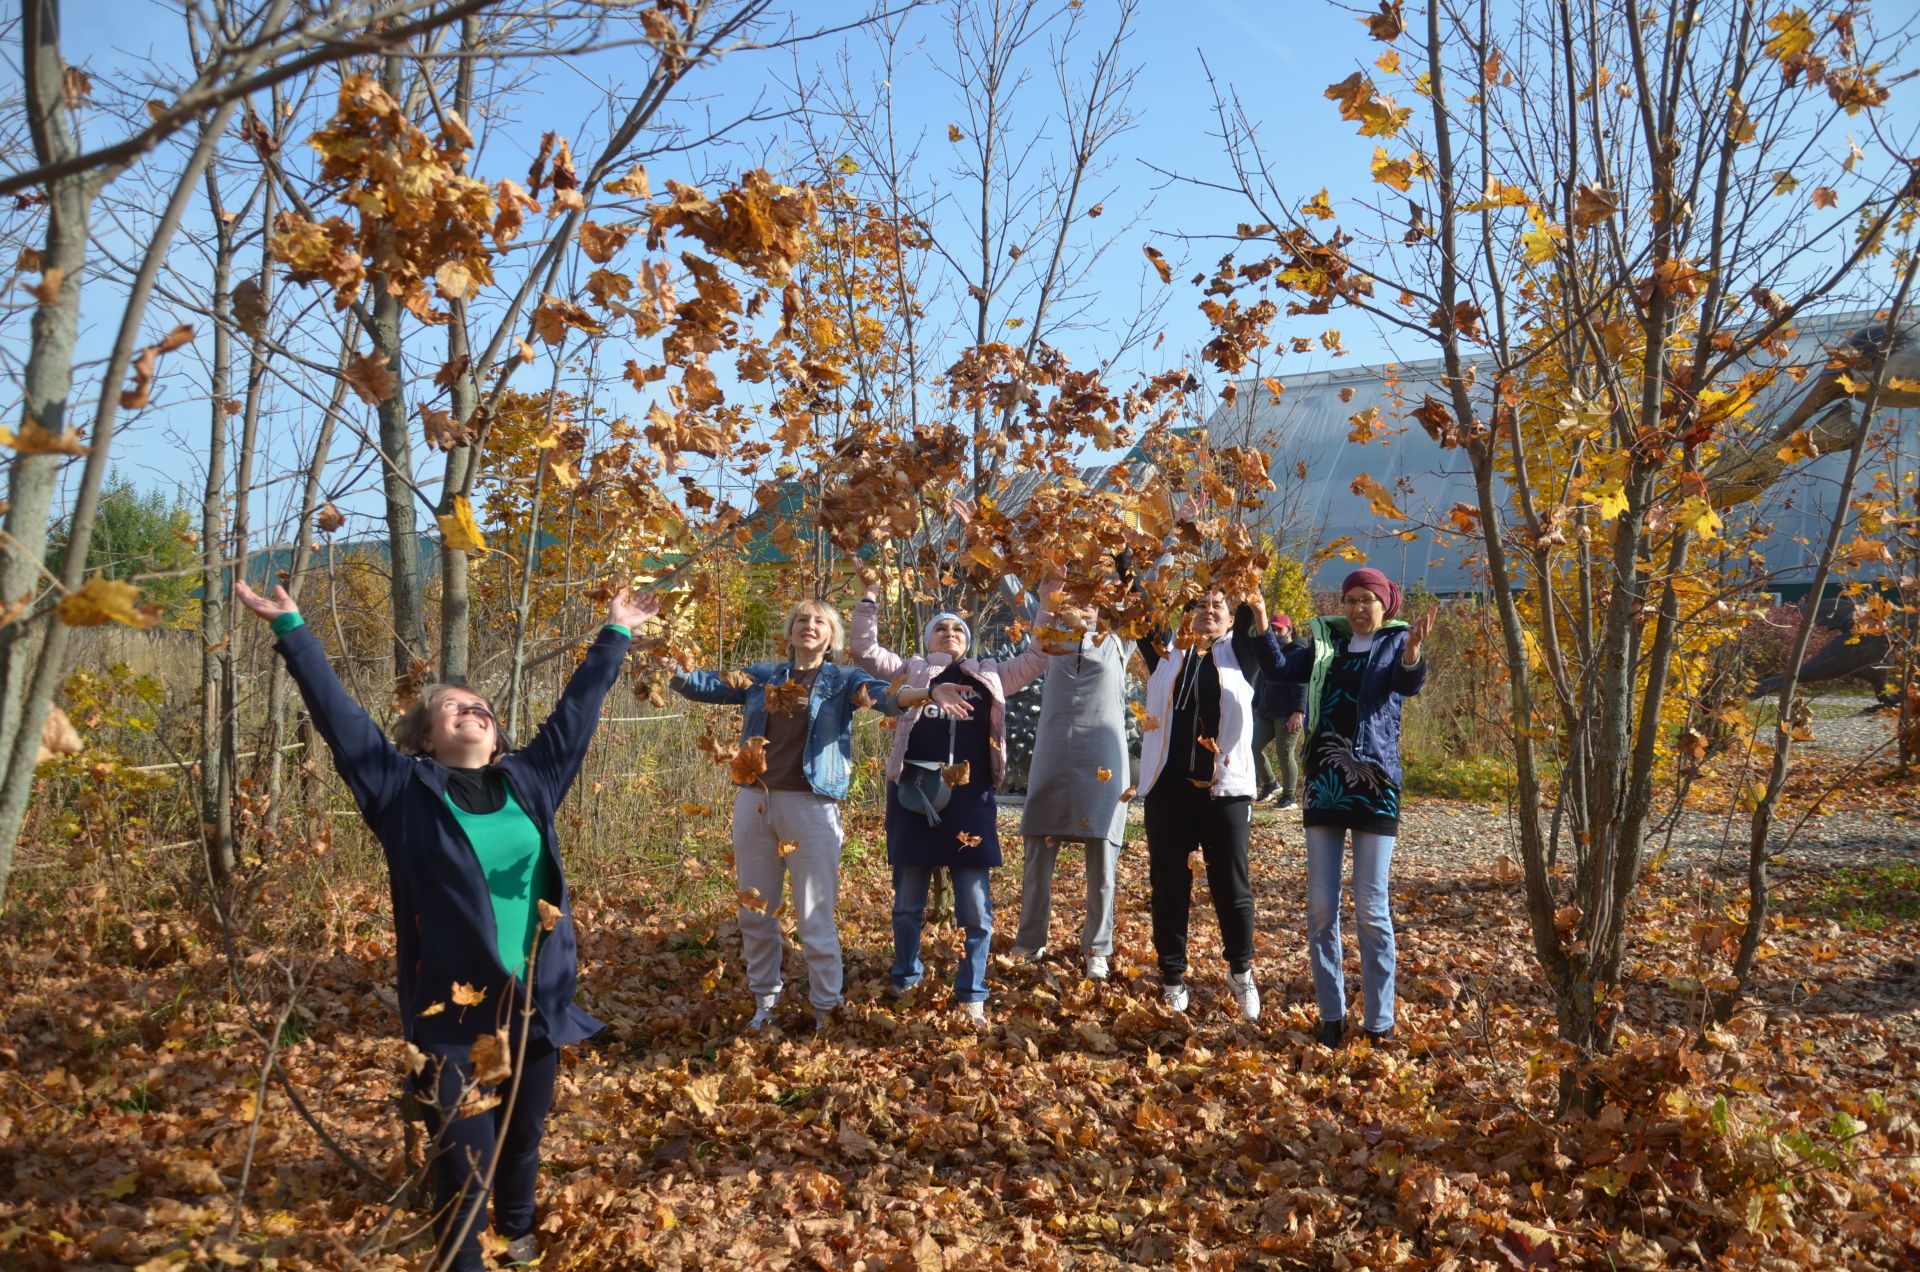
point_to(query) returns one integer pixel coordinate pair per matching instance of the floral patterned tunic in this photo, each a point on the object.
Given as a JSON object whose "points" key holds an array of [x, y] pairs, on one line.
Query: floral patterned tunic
{"points": [[1342, 790]]}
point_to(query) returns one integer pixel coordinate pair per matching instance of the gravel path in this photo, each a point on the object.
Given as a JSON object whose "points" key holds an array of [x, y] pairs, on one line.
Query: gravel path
{"points": [[1459, 833]]}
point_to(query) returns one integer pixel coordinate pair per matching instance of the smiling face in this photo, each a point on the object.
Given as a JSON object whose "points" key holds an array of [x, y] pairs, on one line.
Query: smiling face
{"points": [[949, 637], [810, 633], [461, 729], [1211, 615], [1364, 610]]}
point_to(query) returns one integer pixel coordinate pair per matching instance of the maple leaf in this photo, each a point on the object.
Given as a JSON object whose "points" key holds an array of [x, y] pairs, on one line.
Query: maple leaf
{"points": [[250, 307], [750, 899], [634, 183], [458, 530], [1464, 518], [1798, 447], [957, 774], [102, 600], [465, 995], [370, 379], [750, 762], [966, 840], [954, 133], [552, 319], [135, 396], [736, 680], [442, 432], [787, 699], [787, 847], [329, 518], [1498, 195], [1104, 774], [1824, 197], [1159, 263], [1378, 497], [1389, 24], [491, 1055], [1593, 204], [1318, 206], [601, 242], [35, 439], [1540, 243], [1398, 173]]}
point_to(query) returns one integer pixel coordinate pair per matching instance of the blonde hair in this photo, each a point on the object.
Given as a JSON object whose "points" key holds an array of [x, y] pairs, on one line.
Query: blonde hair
{"points": [[838, 644], [409, 732]]}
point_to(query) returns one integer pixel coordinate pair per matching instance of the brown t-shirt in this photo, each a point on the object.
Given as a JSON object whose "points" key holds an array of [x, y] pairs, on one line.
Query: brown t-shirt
{"points": [[787, 739]]}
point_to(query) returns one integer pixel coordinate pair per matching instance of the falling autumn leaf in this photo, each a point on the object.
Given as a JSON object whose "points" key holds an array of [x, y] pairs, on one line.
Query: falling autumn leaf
{"points": [[1160, 265], [465, 995], [750, 762], [1389, 23], [329, 518], [750, 899], [369, 378], [458, 530], [103, 600], [34, 439]]}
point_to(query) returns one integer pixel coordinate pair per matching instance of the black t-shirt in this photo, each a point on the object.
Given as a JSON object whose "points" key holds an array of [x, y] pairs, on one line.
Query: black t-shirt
{"points": [[476, 790]]}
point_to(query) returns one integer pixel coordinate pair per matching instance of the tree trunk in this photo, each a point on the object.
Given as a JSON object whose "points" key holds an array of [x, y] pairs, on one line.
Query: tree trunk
{"points": [[396, 474], [46, 384], [216, 644]]}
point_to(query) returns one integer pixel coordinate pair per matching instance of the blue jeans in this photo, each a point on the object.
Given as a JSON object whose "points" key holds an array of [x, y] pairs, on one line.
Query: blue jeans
{"points": [[1372, 859], [972, 910]]}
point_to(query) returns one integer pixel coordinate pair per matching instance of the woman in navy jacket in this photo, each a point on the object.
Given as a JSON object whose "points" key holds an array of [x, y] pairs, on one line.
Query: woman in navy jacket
{"points": [[479, 896], [1358, 672]]}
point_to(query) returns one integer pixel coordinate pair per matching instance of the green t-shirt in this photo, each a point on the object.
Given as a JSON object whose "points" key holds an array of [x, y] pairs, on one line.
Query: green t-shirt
{"points": [[518, 874]]}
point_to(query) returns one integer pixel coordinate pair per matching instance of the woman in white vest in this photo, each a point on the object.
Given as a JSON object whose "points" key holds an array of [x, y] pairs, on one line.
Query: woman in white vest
{"points": [[1196, 766]]}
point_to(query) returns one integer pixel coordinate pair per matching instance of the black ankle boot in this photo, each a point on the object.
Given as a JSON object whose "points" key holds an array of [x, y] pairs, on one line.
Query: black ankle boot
{"points": [[1331, 1031], [1380, 1036]]}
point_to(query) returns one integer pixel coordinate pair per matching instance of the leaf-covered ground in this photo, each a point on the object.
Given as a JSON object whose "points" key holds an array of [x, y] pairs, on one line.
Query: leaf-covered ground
{"points": [[1086, 1127]]}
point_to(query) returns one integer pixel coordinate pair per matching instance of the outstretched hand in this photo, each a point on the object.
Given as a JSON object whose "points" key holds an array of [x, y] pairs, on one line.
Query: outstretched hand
{"points": [[953, 700], [1259, 606], [267, 609], [630, 613], [1422, 628]]}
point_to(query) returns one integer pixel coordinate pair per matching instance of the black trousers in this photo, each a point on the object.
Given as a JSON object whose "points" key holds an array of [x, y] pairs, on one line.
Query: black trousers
{"points": [[1181, 817], [468, 1146]]}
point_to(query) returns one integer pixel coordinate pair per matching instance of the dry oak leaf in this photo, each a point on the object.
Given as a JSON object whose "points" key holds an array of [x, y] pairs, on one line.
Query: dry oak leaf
{"points": [[750, 899], [103, 600], [750, 762], [551, 320], [370, 379], [736, 680], [1593, 204], [329, 518], [549, 914], [1159, 263], [34, 439]]}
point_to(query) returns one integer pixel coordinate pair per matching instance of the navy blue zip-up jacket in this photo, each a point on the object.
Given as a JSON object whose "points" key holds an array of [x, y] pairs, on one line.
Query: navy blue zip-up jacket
{"points": [[442, 913], [1384, 687], [1278, 699]]}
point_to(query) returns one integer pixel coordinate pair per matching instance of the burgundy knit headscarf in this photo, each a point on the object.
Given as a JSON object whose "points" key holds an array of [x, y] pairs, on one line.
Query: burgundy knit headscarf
{"points": [[1377, 583]]}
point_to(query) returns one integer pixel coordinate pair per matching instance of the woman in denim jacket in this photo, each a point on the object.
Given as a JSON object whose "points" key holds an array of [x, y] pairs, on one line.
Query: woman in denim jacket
{"points": [[1359, 671], [941, 692], [804, 709]]}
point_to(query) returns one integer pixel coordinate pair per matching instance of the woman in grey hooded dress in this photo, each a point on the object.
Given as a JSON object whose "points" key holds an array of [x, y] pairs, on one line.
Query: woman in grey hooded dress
{"points": [[1078, 783]]}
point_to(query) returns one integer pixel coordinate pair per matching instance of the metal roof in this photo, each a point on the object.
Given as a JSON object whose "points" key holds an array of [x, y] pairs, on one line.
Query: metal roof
{"points": [[1310, 424]]}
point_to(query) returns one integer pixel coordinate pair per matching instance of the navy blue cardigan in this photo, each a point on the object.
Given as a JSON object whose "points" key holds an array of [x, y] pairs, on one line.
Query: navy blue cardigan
{"points": [[442, 913]]}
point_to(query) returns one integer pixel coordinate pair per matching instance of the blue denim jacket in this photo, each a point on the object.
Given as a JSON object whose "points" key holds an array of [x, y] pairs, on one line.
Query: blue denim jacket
{"points": [[828, 760]]}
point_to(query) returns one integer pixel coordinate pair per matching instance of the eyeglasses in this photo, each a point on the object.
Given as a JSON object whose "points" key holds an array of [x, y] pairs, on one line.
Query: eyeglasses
{"points": [[458, 709], [1360, 602]]}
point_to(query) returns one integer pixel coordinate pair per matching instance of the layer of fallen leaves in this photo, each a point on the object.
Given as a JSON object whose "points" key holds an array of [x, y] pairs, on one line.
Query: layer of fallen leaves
{"points": [[1086, 1127]]}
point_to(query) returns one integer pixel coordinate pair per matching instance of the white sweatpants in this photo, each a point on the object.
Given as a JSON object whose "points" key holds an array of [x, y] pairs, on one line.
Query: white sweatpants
{"points": [[762, 821]]}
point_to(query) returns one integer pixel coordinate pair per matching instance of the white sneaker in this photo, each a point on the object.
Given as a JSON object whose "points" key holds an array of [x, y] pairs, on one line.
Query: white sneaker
{"points": [[1287, 806], [1021, 954], [763, 1005], [1246, 995], [974, 1013], [1096, 967], [1174, 997]]}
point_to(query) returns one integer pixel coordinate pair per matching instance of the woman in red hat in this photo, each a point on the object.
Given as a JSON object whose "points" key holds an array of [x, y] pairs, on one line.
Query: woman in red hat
{"points": [[1362, 666]]}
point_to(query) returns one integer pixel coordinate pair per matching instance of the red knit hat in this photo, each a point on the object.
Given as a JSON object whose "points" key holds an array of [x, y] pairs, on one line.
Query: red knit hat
{"points": [[1377, 583]]}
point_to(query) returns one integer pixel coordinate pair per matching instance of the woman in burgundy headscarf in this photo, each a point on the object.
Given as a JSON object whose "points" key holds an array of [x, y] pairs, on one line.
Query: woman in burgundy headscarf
{"points": [[1358, 672]]}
